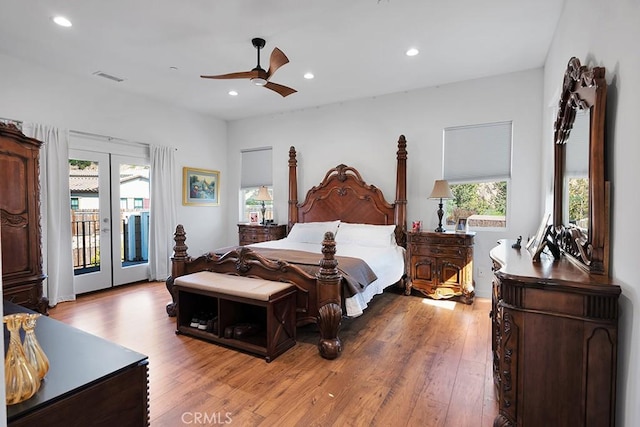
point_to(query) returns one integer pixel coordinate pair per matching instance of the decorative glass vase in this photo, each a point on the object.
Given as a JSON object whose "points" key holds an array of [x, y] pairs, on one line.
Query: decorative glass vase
{"points": [[20, 377], [33, 351]]}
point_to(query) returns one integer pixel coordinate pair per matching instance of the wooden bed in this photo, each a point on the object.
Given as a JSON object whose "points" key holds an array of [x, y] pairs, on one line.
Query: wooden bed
{"points": [[342, 195]]}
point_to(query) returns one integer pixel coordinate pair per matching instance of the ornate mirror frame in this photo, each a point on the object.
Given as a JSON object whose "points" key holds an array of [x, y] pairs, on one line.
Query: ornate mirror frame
{"points": [[583, 89]]}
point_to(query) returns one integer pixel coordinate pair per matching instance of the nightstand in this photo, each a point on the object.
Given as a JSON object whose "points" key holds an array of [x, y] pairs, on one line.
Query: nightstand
{"points": [[441, 265], [248, 234]]}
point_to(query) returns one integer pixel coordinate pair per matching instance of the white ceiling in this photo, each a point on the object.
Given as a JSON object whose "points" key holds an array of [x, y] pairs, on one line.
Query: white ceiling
{"points": [[355, 48]]}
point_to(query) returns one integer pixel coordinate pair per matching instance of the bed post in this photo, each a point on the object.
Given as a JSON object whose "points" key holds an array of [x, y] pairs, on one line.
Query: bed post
{"points": [[293, 188], [329, 282], [401, 191], [177, 265]]}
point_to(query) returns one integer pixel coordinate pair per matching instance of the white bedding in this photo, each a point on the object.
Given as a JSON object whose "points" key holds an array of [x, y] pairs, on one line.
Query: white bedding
{"points": [[386, 262]]}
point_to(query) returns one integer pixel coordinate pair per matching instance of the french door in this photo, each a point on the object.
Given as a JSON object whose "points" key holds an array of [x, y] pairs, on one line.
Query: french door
{"points": [[109, 219]]}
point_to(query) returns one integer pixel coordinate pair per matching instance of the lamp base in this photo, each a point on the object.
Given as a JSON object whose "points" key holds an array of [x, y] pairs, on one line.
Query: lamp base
{"points": [[440, 228]]}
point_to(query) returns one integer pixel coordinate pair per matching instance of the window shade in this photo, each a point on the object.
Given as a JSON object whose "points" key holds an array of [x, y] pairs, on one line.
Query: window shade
{"points": [[577, 147], [478, 152], [256, 168]]}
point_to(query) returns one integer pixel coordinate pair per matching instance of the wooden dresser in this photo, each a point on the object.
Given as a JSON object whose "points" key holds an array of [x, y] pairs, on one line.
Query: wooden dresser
{"points": [[248, 234], [554, 341], [91, 381], [441, 265], [20, 211]]}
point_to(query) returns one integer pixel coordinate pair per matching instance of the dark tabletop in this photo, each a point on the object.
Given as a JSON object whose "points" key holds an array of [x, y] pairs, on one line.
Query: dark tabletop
{"points": [[77, 359]]}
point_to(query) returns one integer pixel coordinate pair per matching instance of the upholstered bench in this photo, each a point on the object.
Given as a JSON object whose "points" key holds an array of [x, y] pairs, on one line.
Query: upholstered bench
{"points": [[245, 313]]}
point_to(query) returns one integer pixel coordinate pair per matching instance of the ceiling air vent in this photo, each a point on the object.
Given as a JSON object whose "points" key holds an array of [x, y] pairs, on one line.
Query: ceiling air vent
{"points": [[108, 76]]}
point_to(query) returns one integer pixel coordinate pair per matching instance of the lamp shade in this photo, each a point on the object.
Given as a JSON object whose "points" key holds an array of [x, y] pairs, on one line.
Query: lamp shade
{"points": [[263, 194], [441, 190]]}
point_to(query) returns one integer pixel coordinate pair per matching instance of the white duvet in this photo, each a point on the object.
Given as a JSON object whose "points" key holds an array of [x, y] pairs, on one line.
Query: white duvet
{"points": [[386, 262]]}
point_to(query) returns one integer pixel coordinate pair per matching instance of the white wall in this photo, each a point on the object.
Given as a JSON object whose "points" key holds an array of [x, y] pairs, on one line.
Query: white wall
{"points": [[606, 34], [361, 133], [34, 94], [364, 134]]}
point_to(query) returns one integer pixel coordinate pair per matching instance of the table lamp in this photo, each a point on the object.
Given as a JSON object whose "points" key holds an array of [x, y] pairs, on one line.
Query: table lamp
{"points": [[263, 195], [440, 191]]}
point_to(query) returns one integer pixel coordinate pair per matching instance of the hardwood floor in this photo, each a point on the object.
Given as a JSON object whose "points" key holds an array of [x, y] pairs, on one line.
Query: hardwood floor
{"points": [[407, 361]]}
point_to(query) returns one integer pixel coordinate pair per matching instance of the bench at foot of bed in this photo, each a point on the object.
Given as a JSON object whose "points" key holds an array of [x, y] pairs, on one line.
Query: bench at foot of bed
{"points": [[248, 314]]}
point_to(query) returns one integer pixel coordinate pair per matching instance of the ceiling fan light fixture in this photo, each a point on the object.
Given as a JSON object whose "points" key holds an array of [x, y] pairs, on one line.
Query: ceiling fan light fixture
{"points": [[259, 81]]}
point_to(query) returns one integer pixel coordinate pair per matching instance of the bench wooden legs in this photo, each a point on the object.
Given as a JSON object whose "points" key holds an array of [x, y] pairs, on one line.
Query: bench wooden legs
{"points": [[281, 326]]}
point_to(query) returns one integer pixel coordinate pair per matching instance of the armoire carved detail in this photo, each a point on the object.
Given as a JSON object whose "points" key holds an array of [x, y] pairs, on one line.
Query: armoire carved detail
{"points": [[21, 232]]}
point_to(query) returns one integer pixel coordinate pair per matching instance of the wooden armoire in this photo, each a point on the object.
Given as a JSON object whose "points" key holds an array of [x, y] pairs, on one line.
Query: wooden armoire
{"points": [[20, 211]]}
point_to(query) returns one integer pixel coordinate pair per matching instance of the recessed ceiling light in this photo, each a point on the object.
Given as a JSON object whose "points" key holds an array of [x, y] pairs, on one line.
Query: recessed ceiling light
{"points": [[308, 76], [412, 52], [233, 93], [62, 21]]}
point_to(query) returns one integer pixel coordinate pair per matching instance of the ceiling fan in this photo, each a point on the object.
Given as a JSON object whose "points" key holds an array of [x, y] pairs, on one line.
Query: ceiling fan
{"points": [[258, 75]]}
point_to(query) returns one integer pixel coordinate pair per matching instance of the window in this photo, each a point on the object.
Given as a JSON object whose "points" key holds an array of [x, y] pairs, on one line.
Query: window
{"points": [[137, 203], [256, 172], [576, 173], [477, 165], [74, 203], [253, 206]]}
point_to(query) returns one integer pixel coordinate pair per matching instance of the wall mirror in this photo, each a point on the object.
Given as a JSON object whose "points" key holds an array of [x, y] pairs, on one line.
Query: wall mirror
{"points": [[581, 192]]}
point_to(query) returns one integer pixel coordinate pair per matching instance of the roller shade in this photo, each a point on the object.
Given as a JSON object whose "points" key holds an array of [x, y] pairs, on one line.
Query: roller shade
{"points": [[256, 168], [479, 152]]}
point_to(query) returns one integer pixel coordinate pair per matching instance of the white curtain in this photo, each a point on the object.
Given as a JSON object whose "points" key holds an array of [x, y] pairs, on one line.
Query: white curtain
{"points": [[162, 221], [55, 212]]}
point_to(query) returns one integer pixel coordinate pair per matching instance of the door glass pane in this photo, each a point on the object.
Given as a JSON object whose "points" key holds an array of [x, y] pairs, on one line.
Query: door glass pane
{"points": [[134, 214], [85, 215]]}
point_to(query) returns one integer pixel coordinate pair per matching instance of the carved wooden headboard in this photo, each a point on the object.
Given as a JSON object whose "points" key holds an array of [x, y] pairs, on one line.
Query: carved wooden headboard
{"points": [[344, 195]]}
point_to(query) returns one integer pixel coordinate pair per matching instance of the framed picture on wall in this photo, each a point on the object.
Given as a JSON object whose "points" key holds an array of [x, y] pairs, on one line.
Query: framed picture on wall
{"points": [[200, 187]]}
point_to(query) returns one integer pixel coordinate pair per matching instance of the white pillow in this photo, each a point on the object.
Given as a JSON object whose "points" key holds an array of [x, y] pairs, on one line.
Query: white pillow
{"points": [[381, 236], [311, 232]]}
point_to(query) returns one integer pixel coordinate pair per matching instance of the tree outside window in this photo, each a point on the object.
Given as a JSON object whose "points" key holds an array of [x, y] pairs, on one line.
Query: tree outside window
{"points": [[579, 202], [484, 204]]}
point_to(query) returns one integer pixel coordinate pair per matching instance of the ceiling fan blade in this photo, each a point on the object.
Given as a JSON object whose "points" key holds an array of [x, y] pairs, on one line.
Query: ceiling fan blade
{"points": [[240, 75], [282, 90], [277, 60]]}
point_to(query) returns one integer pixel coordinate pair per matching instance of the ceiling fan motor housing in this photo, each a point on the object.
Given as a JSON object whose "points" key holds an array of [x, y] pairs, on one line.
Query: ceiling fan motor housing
{"points": [[258, 43]]}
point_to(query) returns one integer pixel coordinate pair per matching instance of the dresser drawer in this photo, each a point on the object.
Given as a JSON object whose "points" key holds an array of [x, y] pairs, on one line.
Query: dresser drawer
{"points": [[24, 295], [248, 234], [419, 249], [442, 239], [252, 233]]}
